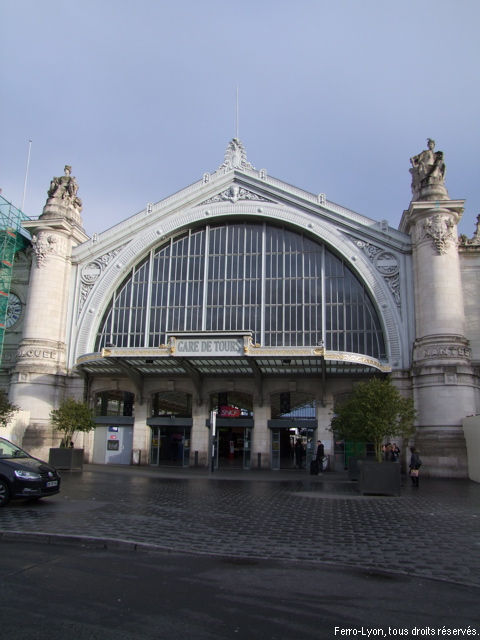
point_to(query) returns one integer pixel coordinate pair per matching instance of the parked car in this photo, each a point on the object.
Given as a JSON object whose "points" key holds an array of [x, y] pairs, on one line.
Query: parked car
{"points": [[23, 476]]}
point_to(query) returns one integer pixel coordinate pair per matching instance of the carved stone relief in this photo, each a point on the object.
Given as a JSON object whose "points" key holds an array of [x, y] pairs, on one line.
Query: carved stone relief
{"points": [[90, 273], [386, 264], [43, 246], [428, 174], [441, 230], [235, 157], [65, 188], [475, 240], [234, 194]]}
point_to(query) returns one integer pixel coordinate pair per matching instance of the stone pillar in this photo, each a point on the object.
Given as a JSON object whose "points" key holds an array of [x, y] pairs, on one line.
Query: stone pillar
{"points": [[141, 433], [261, 437], [442, 375], [39, 377], [200, 435]]}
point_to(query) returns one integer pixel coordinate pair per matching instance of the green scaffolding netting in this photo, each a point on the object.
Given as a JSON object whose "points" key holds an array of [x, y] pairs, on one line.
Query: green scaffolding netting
{"points": [[12, 239]]}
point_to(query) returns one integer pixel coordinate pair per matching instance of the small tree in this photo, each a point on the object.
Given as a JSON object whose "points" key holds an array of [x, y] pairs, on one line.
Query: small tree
{"points": [[374, 411], [70, 417], [7, 409]]}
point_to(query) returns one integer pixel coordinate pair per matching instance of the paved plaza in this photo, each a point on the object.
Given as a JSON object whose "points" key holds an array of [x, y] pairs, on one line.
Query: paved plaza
{"points": [[432, 532]]}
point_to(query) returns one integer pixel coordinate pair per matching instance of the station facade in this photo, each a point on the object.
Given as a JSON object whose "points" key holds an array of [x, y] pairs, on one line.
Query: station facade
{"points": [[246, 302]]}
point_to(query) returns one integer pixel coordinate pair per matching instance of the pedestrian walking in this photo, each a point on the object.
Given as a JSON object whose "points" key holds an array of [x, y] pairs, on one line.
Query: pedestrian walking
{"points": [[415, 464]]}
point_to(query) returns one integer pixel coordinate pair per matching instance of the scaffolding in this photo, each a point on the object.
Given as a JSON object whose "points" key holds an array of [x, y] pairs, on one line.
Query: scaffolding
{"points": [[12, 238]]}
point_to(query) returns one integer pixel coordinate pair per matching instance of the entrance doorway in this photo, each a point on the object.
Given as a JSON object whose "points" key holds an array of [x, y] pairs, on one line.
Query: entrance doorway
{"points": [[233, 435], [170, 446], [233, 447], [293, 447]]}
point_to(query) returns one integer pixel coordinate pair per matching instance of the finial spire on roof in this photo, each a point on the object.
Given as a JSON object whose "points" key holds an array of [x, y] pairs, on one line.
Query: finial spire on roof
{"points": [[235, 157], [237, 120]]}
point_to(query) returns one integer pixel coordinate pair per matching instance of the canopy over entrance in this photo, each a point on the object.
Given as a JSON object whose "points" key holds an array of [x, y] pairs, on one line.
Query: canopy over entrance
{"points": [[202, 355]]}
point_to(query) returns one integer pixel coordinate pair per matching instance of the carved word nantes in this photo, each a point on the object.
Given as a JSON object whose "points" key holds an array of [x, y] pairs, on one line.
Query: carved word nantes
{"points": [[209, 346], [441, 230], [446, 351]]}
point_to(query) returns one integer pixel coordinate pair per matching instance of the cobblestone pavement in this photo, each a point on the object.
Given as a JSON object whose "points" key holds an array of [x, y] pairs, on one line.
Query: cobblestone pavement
{"points": [[432, 532]]}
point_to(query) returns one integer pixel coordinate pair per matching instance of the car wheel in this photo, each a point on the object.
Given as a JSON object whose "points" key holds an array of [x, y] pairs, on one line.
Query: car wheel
{"points": [[4, 493]]}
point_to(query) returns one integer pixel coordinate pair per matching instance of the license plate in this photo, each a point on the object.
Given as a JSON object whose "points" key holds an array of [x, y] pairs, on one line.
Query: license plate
{"points": [[52, 483]]}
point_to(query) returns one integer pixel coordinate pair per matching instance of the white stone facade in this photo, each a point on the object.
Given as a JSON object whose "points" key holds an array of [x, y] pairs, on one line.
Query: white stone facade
{"points": [[424, 287]]}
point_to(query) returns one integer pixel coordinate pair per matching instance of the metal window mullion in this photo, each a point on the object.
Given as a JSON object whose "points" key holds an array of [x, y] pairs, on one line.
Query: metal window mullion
{"points": [[148, 305], [244, 274], [130, 305], [206, 255], [263, 286], [304, 308], [284, 262], [187, 279], [112, 325], [323, 301], [225, 282], [170, 256]]}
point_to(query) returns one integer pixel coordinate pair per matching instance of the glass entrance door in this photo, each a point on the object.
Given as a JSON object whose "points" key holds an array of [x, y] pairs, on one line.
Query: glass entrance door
{"points": [[292, 448], [233, 448], [170, 446]]}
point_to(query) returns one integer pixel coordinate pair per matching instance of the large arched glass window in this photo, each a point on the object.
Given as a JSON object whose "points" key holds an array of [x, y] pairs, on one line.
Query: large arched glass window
{"points": [[281, 285]]}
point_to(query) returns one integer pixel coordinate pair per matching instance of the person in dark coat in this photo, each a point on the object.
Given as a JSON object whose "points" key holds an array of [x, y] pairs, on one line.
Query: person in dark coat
{"points": [[299, 451], [319, 456], [415, 464]]}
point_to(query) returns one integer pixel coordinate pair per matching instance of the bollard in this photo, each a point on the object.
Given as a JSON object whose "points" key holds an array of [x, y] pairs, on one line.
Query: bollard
{"points": [[196, 458], [259, 460]]}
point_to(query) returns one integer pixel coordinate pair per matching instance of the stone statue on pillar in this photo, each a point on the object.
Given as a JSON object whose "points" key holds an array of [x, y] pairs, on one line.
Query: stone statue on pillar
{"points": [[62, 198], [428, 174]]}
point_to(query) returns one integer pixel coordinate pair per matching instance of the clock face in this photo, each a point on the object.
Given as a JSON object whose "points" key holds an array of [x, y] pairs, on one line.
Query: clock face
{"points": [[14, 310]]}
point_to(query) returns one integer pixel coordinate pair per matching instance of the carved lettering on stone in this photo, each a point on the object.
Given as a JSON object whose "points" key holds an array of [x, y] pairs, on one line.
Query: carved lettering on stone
{"points": [[446, 351], [441, 230]]}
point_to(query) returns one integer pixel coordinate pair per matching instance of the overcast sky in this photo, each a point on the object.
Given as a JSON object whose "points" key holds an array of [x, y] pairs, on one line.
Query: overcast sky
{"points": [[335, 97]]}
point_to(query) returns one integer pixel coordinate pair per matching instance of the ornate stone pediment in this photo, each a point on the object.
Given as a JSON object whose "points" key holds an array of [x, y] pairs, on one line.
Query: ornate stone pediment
{"points": [[234, 194]]}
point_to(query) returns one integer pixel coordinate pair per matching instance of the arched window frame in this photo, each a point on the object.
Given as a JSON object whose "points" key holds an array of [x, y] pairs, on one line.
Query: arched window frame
{"points": [[204, 303]]}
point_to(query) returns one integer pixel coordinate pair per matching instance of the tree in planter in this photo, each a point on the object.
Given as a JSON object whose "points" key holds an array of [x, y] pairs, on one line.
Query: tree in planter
{"points": [[70, 417], [374, 412], [7, 409]]}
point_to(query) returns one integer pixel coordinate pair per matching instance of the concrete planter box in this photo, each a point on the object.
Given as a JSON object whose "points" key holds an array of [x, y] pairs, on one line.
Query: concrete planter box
{"points": [[66, 459], [354, 468], [379, 478]]}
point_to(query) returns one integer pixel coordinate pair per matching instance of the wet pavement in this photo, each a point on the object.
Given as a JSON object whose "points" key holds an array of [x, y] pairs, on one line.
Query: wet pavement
{"points": [[433, 532]]}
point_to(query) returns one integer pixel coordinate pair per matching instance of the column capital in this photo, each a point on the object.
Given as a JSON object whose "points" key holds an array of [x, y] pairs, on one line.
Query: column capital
{"points": [[420, 210]]}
